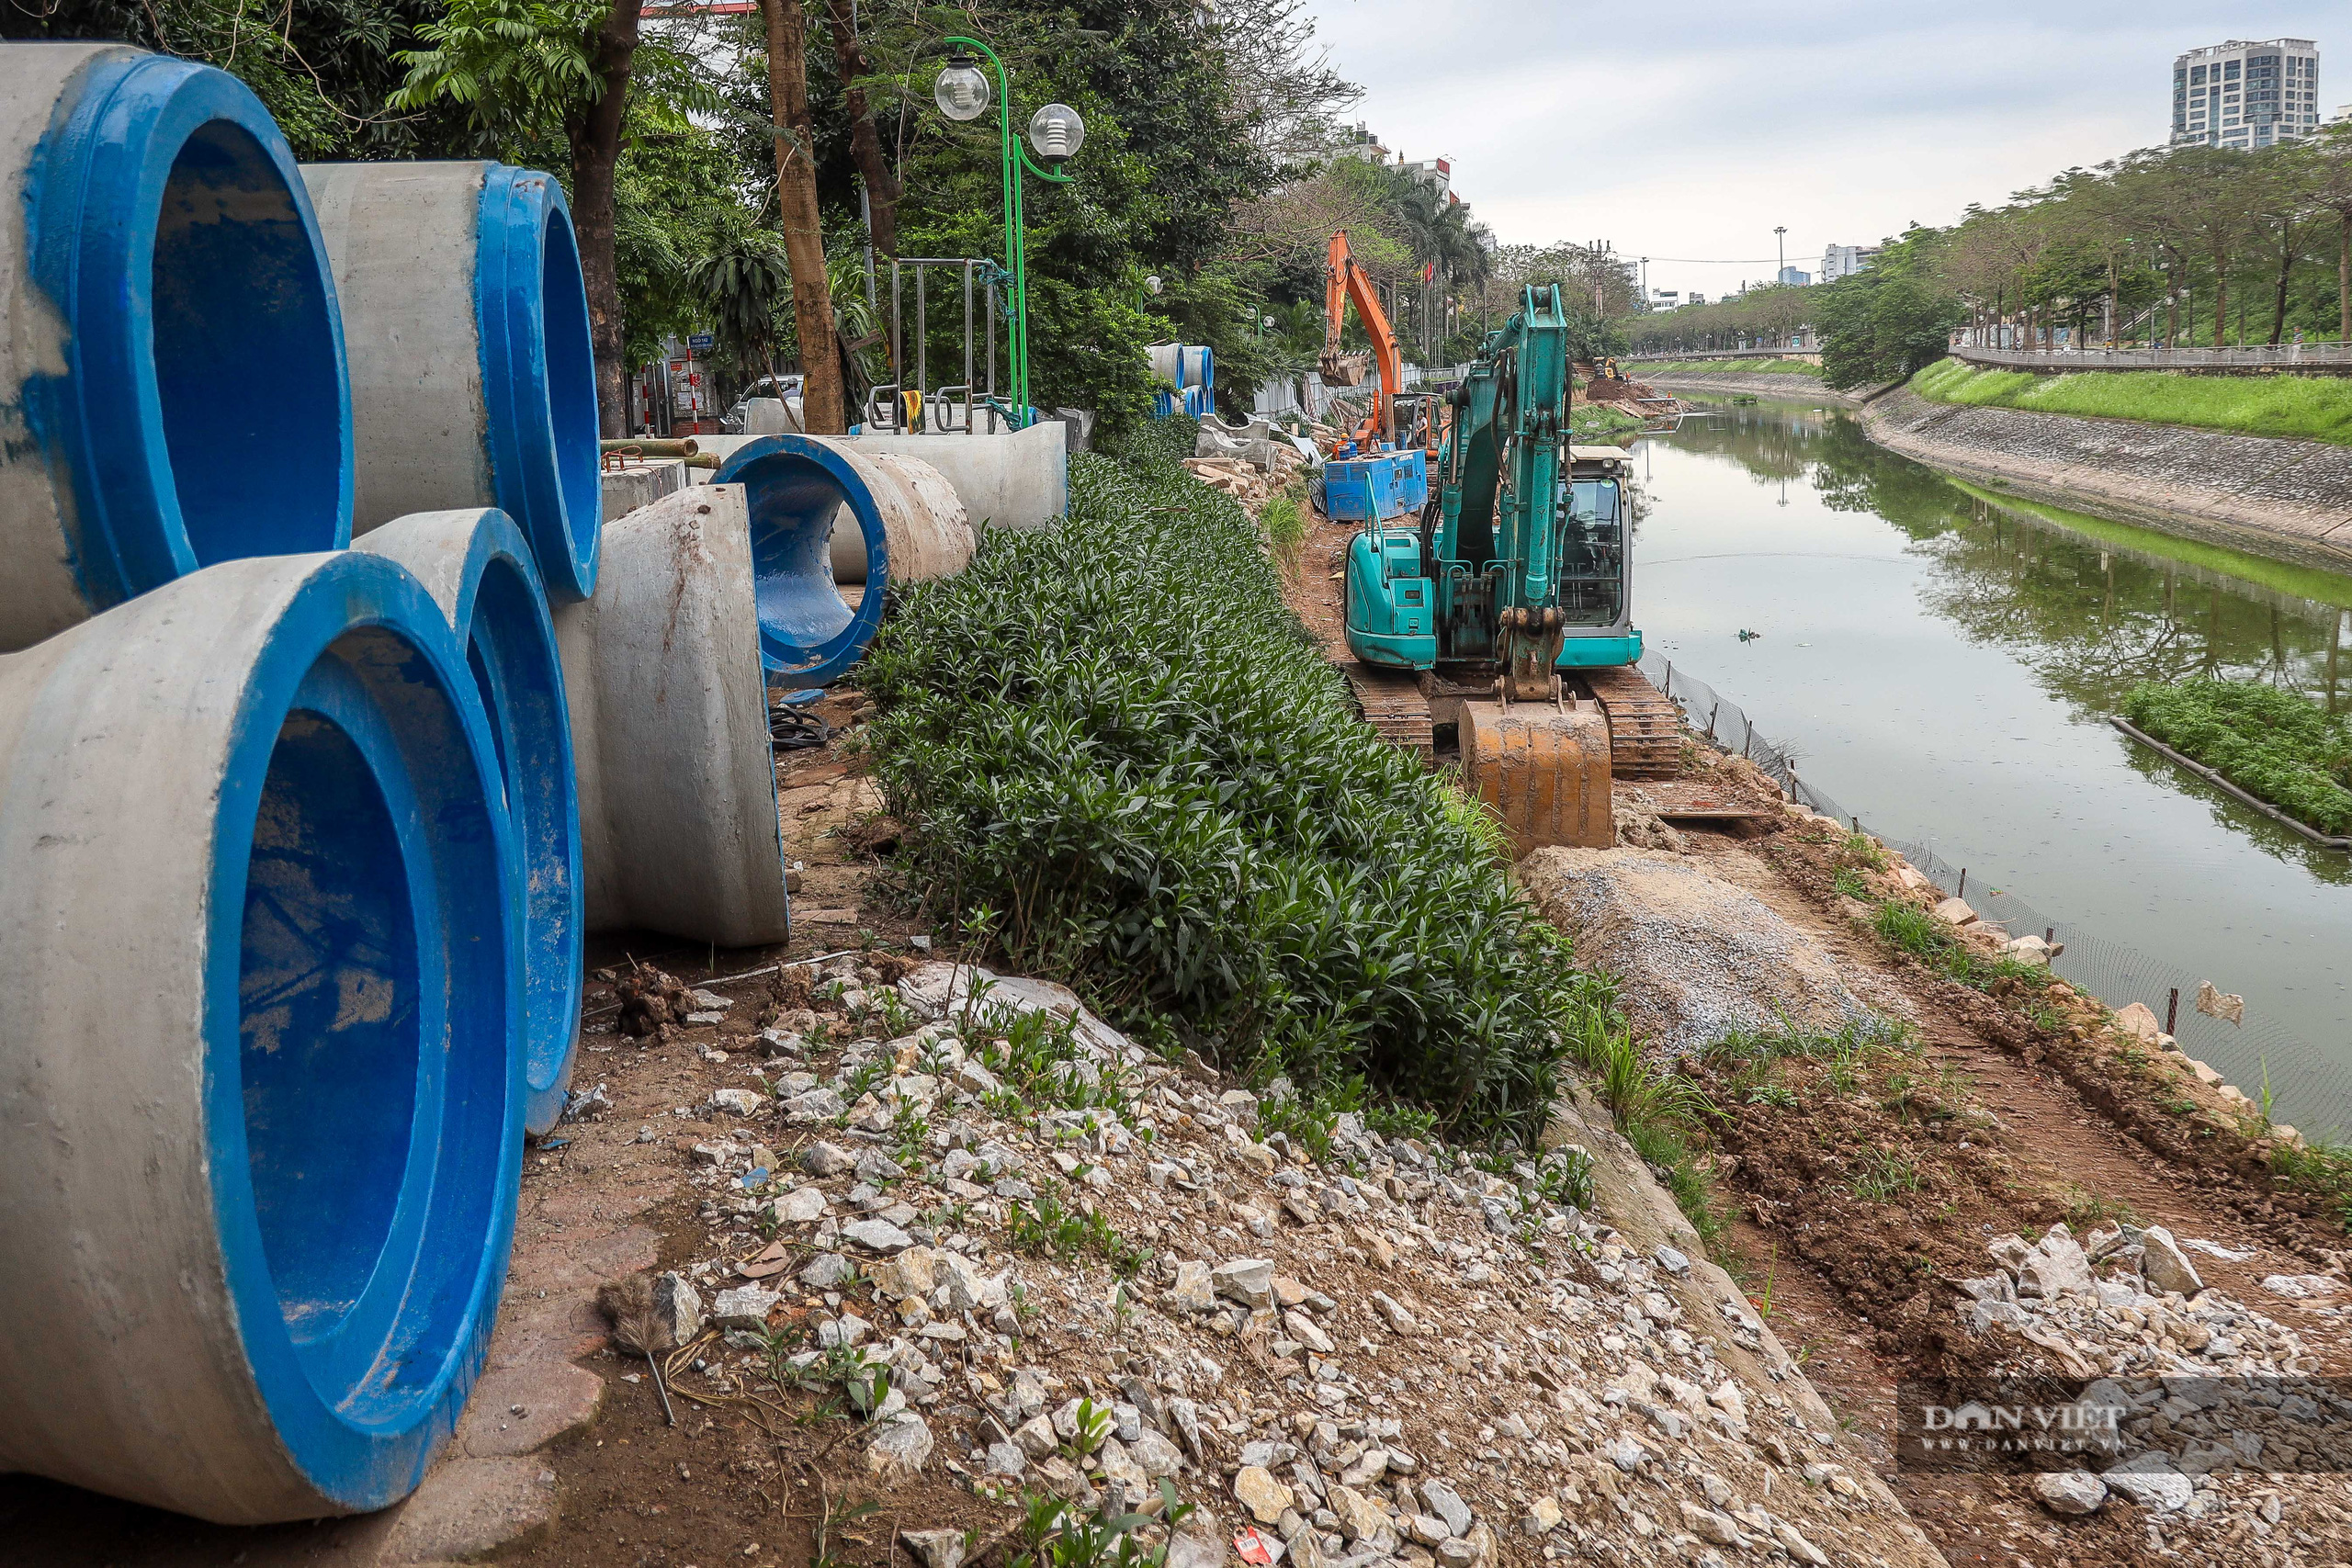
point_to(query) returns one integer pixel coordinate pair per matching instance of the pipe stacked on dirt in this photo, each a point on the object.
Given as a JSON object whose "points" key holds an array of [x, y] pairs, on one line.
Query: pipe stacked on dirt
{"points": [[292, 946], [172, 385], [300, 839], [466, 323]]}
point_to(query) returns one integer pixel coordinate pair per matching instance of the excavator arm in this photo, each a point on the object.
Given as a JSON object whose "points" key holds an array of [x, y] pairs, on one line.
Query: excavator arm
{"points": [[1344, 280]]}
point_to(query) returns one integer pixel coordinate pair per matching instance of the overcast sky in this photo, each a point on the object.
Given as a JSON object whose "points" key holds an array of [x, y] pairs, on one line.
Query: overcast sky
{"points": [[1690, 129]]}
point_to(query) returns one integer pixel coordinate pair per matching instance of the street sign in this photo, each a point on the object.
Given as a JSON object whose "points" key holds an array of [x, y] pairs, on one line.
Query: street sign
{"points": [[700, 343]]}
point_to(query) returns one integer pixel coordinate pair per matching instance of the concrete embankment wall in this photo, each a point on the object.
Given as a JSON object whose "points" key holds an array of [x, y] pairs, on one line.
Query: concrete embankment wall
{"points": [[1763, 383], [2289, 499]]}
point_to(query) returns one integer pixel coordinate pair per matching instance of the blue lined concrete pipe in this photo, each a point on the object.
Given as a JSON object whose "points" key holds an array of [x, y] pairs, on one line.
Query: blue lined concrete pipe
{"points": [[805, 496], [478, 568], [260, 974], [168, 336], [473, 381]]}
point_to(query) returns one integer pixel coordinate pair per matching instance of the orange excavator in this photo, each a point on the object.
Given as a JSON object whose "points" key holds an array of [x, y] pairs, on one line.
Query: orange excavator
{"points": [[1344, 279]]}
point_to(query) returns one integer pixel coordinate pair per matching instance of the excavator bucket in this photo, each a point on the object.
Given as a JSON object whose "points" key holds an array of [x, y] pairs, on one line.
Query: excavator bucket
{"points": [[1543, 770]]}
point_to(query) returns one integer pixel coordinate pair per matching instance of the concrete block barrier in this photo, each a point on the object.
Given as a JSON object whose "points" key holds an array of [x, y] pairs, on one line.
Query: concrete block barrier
{"points": [[172, 381], [670, 729], [473, 381], [262, 966], [907, 517], [478, 568]]}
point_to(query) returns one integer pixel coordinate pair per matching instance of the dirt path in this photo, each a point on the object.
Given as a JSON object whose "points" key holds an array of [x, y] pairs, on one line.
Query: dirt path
{"points": [[1844, 1286]]}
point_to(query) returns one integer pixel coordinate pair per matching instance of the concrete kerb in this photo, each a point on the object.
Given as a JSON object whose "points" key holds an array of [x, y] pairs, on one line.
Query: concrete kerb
{"points": [[290, 1150], [473, 376], [478, 568], [168, 329], [662, 676]]}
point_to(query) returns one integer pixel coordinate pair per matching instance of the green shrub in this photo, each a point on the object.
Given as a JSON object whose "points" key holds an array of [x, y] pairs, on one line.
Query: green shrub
{"points": [[2267, 741], [1115, 751]]}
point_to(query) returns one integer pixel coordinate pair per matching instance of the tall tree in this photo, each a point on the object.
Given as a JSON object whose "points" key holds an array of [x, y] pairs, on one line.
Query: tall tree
{"points": [[874, 170], [821, 412], [2329, 171], [526, 69]]}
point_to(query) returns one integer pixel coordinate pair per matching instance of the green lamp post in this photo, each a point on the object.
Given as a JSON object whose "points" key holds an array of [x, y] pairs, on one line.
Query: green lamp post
{"points": [[1056, 131]]}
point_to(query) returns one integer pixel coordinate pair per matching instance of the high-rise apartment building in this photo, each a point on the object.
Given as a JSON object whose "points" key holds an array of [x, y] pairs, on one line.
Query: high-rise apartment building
{"points": [[2247, 95], [1844, 261]]}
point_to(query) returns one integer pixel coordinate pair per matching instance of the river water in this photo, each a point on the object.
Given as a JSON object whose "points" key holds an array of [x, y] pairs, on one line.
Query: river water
{"points": [[1942, 662]]}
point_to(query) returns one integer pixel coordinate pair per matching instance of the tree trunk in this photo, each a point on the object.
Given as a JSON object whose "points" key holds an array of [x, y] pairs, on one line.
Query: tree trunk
{"points": [[2221, 298], [804, 237], [2286, 266], [596, 138], [882, 189], [2344, 277]]}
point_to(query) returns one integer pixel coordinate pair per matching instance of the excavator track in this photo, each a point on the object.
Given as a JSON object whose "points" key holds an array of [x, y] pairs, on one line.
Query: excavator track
{"points": [[1644, 726], [1392, 703]]}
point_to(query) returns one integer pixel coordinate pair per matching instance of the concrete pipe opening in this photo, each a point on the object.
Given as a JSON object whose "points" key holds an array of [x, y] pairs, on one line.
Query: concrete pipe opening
{"points": [[478, 567], [178, 335], [473, 377], [268, 795], [805, 497]]}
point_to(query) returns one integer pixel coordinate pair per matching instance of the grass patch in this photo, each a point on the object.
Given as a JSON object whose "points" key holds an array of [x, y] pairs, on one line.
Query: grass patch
{"points": [[1724, 367], [1934, 943], [2324, 1170], [2267, 741], [2315, 407], [1591, 420], [1661, 1112], [1285, 522], [1047, 1228], [1119, 756]]}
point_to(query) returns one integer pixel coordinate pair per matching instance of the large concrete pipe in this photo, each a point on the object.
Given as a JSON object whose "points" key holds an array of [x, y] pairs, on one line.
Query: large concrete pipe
{"points": [[478, 569], [259, 971], [172, 386], [670, 729], [916, 501], [907, 517], [474, 382]]}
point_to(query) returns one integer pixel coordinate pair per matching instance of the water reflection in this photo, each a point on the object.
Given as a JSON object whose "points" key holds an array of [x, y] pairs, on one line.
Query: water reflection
{"points": [[1948, 657]]}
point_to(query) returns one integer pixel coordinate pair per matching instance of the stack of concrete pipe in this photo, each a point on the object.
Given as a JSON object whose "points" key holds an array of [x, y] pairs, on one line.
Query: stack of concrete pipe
{"points": [[300, 834]]}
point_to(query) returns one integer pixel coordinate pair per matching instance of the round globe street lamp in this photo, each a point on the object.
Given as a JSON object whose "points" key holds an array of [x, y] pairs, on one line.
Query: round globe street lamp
{"points": [[1055, 131], [962, 90]]}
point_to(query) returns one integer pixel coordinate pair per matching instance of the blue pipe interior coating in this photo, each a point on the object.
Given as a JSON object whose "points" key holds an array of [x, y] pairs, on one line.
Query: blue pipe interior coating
{"points": [[511, 650], [363, 1085], [792, 488], [169, 229], [539, 370]]}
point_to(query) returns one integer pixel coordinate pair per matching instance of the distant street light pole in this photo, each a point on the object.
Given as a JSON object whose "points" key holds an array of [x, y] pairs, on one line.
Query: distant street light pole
{"points": [[1780, 237]]}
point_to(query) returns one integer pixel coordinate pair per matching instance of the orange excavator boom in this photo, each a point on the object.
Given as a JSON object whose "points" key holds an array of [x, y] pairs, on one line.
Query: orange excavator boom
{"points": [[1344, 280]]}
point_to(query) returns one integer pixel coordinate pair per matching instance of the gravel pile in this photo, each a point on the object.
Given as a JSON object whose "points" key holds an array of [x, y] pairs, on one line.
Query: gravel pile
{"points": [[1698, 958]]}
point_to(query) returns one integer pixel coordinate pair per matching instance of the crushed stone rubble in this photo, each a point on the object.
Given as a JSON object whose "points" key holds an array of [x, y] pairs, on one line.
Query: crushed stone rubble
{"points": [[2209, 1416], [1034, 1257]]}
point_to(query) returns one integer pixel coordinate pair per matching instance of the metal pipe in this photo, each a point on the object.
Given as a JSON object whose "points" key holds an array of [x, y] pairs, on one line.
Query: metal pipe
{"points": [[653, 446]]}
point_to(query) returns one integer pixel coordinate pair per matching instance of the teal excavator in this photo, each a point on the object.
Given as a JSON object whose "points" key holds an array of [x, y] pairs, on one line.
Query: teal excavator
{"points": [[1508, 597]]}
